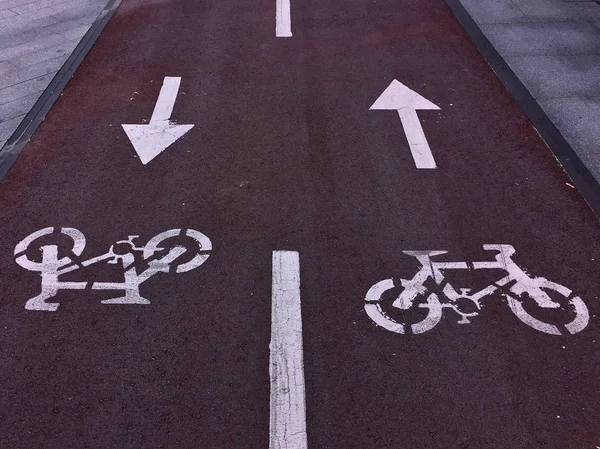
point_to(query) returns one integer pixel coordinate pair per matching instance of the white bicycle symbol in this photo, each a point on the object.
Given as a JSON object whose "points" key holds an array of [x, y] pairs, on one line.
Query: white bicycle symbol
{"points": [[160, 255], [517, 287]]}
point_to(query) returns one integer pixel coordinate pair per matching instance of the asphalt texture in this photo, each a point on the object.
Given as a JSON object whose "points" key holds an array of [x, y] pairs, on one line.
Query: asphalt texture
{"points": [[285, 155]]}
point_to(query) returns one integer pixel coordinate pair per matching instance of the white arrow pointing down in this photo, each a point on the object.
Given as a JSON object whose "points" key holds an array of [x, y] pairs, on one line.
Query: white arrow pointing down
{"points": [[149, 140], [400, 98]]}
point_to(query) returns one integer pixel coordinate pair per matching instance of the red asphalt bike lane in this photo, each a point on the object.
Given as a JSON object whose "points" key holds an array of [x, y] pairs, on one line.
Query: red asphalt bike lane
{"points": [[286, 155]]}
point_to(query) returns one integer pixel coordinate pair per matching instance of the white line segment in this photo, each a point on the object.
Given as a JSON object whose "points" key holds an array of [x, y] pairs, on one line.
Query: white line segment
{"points": [[417, 141], [283, 24], [288, 404], [166, 99]]}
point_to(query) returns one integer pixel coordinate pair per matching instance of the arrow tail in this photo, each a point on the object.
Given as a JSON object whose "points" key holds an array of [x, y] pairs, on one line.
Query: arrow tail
{"points": [[166, 99], [416, 138]]}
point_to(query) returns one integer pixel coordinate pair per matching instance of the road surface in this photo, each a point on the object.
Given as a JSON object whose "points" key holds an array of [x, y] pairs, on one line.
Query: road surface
{"points": [[287, 314]]}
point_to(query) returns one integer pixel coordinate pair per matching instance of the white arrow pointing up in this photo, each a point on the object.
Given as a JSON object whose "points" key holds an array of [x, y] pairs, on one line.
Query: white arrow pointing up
{"points": [[151, 139], [406, 101]]}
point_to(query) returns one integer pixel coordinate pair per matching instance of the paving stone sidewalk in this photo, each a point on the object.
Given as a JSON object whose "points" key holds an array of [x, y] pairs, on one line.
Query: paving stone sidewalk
{"points": [[36, 38], [553, 46]]}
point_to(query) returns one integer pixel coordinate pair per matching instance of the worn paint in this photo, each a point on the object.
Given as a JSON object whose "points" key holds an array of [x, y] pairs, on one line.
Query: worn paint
{"points": [[515, 286], [288, 407], [151, 139], [138, 263]]}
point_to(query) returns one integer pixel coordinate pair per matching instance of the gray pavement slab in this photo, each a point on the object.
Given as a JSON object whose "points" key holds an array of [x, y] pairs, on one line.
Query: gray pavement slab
{"points": [[5, 67], [40, 19], [7, 4], [61, 50], [557, 38], [40, 5], [68, 23], [494, 11], [6, 13], [590, 11], [29, 20], [29, 87], [83, 11], [18, 76], [558, 76], [40, 12], [15, 108], [548, 10], [578, 120], [76, 33], [33, 45], [7, 127]]}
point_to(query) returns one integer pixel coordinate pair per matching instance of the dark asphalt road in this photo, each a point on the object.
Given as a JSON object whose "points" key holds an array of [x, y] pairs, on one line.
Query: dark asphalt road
{"points": [[285, 155]]}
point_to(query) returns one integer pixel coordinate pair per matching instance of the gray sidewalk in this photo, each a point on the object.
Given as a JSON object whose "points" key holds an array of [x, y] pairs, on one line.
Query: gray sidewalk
{"points": [[36, 38], [553, 46]]}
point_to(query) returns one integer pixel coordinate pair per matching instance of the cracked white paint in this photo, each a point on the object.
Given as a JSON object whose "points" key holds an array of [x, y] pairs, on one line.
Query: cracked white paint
{"points": [[288, 405], [137, 268], [515, 286], [151, 139]]}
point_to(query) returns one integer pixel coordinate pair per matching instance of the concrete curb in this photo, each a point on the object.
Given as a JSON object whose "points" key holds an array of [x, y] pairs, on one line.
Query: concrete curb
{"points": [[562, 151], [15, 144]]}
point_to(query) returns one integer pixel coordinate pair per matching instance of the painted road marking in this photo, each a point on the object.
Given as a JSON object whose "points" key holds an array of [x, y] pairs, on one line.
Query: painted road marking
{"points": [[288, 404], [157, 256], [151, 139], [467, 304], [283, 21], [400, 98]]}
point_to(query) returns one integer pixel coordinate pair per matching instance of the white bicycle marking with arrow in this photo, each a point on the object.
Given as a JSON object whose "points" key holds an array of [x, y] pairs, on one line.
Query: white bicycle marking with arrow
{"points": [[429, 292], [156, 256]]}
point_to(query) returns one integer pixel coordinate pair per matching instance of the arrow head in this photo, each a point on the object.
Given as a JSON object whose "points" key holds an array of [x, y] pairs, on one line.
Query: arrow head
{"points": [[151, 139], [398, 96]]}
